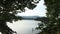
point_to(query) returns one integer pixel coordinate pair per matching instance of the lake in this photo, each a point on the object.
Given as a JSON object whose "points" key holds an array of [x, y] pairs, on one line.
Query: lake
{"points": [[24, 26]]}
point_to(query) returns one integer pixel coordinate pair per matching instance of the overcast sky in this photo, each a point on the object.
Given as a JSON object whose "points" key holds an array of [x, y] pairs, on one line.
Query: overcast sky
{"points": [[38, 11]]}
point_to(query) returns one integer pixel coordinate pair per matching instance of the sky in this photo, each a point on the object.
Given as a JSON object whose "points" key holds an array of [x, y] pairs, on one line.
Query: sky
{"points": [[38, 11], [26, 26]]}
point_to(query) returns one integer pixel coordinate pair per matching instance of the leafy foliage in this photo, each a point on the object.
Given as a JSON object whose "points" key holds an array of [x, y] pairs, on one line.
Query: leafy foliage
{"points": [[53, 14], [8, 11]]}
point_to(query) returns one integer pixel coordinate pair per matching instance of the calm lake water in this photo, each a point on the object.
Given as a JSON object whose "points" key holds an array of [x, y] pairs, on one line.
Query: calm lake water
{"points": [[24, 26]]}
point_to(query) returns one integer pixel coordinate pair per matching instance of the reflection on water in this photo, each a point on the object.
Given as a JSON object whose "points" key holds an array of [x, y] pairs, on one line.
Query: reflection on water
{"points": [[24, 26]]}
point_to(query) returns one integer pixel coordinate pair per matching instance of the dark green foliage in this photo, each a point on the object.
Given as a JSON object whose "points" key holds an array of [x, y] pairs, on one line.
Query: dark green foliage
{"points": [[8, 11], [53, 13]]}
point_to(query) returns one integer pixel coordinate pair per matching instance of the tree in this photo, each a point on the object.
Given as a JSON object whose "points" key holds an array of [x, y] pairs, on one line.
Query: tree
{"points": [[53, 14], [8, 11]]}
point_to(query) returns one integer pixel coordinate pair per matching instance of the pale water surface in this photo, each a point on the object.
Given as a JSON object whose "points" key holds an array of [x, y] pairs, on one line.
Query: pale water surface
{"points": [[24, 26]]}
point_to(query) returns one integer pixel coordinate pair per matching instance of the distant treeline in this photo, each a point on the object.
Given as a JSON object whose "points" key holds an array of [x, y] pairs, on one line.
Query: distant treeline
{"points": [[43, 19]]}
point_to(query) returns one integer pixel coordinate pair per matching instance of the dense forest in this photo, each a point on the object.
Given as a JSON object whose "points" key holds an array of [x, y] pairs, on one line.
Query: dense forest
{"points": [[8, 11], [52, 26]]}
